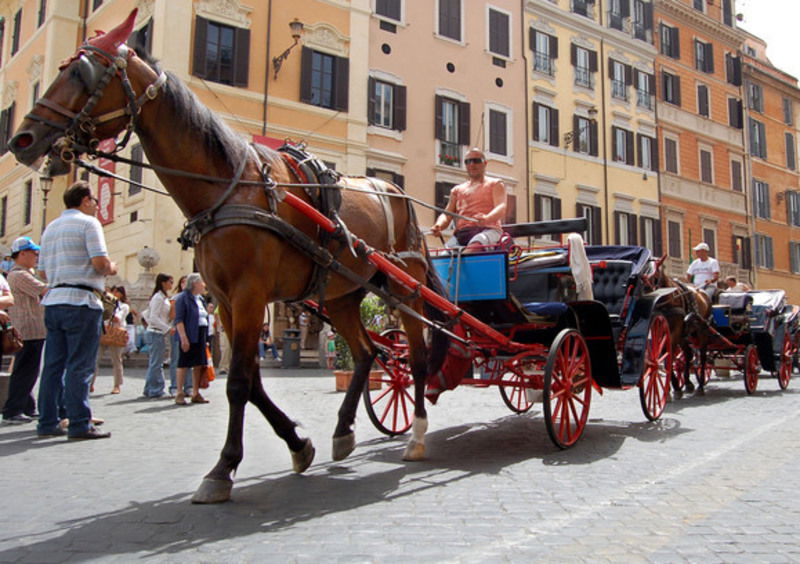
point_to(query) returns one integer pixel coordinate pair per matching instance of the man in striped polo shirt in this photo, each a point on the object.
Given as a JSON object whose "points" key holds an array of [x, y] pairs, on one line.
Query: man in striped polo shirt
{"points": [[75, 262]]}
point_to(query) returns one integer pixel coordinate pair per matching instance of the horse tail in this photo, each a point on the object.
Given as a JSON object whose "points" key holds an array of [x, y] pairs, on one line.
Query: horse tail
{"points": [[440, 342]]}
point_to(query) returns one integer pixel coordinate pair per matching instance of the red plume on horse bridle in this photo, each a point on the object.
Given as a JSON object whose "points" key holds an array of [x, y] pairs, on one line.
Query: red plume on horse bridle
{"points": [[109, 42]]}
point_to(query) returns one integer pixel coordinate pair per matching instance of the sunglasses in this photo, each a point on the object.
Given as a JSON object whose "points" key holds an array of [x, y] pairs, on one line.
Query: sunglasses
{"points": [[473, 161]]}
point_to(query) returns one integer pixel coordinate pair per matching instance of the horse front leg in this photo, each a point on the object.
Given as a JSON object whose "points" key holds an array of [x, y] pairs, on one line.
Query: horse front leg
{"points": [[415, 449]]}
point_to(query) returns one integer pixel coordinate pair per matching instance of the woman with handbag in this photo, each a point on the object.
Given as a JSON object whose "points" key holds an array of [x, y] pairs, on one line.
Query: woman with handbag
{"points": [[156, 336], [114, 338]]}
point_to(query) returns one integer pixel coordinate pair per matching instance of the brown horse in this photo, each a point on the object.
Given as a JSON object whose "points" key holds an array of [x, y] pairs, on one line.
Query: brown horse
{"points": [[105, 88], [687, 310]]}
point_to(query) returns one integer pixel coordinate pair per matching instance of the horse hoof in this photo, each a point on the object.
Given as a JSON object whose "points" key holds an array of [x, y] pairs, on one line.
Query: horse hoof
{"points": [[678, 394], [415, 451], [303, 458], [213, 491], [700, 392], [689, 387], [343, 446]]}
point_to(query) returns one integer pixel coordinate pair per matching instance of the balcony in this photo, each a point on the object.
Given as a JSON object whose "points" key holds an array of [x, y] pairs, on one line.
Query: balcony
{"points": [[616, 21], [640, 31], [543, 63], [583, 77], [619, 89], [644, 99]]}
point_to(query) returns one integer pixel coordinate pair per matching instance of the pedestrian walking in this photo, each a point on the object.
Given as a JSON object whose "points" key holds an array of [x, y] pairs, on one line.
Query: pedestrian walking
{"points": [[75, 261], [118, 321], [27, 315], [156, 336], [191, 322], [304, 319]]}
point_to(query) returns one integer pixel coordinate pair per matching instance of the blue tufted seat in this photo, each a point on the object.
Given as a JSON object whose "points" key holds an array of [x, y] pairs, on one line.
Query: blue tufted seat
{"points": [[611, 279]]}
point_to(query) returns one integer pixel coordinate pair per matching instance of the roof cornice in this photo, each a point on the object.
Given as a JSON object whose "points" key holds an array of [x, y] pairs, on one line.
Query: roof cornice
{"points": [[701, 21]]}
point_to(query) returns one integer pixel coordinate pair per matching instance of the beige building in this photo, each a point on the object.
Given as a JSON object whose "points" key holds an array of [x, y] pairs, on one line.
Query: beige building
{"points": [[592, 137], [444, 78]]}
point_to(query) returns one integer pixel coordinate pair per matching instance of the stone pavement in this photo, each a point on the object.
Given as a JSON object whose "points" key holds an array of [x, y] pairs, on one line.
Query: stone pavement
{"points": [[713, 481]]}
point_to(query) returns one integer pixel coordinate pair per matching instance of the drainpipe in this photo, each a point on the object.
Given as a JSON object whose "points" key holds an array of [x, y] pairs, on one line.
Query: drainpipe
{"points": [[528, 161], [266, 70], [747, 179], [601, 70]]}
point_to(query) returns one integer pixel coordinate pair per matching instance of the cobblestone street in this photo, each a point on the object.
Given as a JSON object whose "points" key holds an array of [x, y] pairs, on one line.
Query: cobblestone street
{"points": [[714, 481]]}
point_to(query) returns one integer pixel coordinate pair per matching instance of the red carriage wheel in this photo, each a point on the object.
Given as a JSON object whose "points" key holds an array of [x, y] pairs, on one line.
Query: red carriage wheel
{"points": [[515, 394], [567, 388], [787, 356], [390, 404], [679, 369], [654, 384], [751, 369]]}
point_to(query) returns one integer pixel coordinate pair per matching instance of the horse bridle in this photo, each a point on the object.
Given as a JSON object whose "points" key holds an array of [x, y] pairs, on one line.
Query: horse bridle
{"points": [[96, 76]]}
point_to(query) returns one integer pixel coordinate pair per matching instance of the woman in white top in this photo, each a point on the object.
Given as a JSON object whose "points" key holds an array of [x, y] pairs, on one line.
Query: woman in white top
{"points": [[158, 328]]}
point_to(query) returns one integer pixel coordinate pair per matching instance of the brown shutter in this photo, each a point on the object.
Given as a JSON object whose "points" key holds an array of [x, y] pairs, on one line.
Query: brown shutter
{"points": [[305, 75], [573, 54], [648, 15], [553, 47], [3, 130], [242, 57], [535, 121], [654, 153], [463, 123], [370, 102], [399, 108], [658, 244], [554, 127], [702, 99], [575, 136], [593, 138], [616, 227], [537, 208], [651, 80], [341, 83], [592, 61], [597, 226], [677, 82], [676, 43], [611, 69], [556, 208], [632, 233], [614, 154], [532, 39], [438, 123], [629, 147], [709, 47], [199, 55], [639, 150], [628, 73], [625, 8]]}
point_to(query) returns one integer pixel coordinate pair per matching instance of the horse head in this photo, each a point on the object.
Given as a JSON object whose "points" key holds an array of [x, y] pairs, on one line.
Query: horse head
{"points": [[95, 96]]}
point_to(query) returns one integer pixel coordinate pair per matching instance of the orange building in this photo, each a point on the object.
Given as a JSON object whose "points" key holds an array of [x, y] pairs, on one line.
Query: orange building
{"points": [[771, 99], [703, 192]]}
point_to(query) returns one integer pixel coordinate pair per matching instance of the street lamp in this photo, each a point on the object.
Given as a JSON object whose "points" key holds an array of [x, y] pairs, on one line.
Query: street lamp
{"points": [[297, 28], [45, 185], [569, 136]]}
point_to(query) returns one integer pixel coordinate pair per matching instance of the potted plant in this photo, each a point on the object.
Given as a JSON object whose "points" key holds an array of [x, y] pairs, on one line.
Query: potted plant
{"points": [[374, 316]]}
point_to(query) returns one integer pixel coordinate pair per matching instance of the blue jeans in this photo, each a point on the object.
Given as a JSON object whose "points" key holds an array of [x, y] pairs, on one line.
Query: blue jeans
{"points": [[154, 381], [73, 337], [175, 345], [262, 350]]}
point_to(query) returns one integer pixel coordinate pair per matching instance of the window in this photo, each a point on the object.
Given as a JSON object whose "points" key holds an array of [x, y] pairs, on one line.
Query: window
{"points": [[42, 13], [545, 124], [584, 135], [545, 51], [791, 152], [442, 196], [324, 80], [499, 33], [741, 251], [735, 113], [6, 127], [623, 145], [788, 113], [618, 10], [624, 228], [761, 197], [27, 203], [727, 12], [733, 69], [221, 52], [450, 19], [671, 88], [648, 152], [794, 256], [391, 9], [737, 185], [96, 4], [581, 7], [620, 75], [16, 32], [498, 132], [710, 237], [643, 20], [645, 86], [706, 166], [137, 156], [546, 208], [670, 41], [671, 155], [793, 208], [755, 97], [594, 228], [387, 175], [585, 63], [674, 239], [702, 100], [758, 139], [386, 105], [703, 56], [452, 129], [142, 39], [700, 5], [650, 234], [764, 255]]}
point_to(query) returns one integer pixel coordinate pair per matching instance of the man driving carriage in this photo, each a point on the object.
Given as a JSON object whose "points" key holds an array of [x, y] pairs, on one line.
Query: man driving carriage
{"points": [[704, 270], [482, 198]]}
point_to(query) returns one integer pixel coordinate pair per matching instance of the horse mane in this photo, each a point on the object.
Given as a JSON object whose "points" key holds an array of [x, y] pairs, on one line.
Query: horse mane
{"points": [[217, 137]]}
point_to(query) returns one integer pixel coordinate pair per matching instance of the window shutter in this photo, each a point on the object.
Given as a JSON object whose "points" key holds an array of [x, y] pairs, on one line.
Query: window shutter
{"points": [[632, 232], [639, 147], [651, 83], [614, 151], [658, 245], [556, 208], [3, 130], [370, 102], [463, 123], [573, 54], [654, 154], [9, 131], [199, 55], [439, 119], [536, 122], [305, 75], [676, 80], [242, 55], [625, 8], [611, 69], [592, 61], [648, 15], [400, 108], [792, 257], [554, 127], [537, 208], [597, 226], [575, 140], [341, 78], [532, 39], [553, 47], [628, 73], [676, 45], [370, 173], [702, 99], [735, 112], [737, 71], [629, 147], [616, 227], [770, 255], [593, 138], [709, 47]]}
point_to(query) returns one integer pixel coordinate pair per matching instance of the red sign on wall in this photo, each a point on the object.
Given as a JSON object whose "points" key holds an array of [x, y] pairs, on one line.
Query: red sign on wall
{"points": [[105, 186]]}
